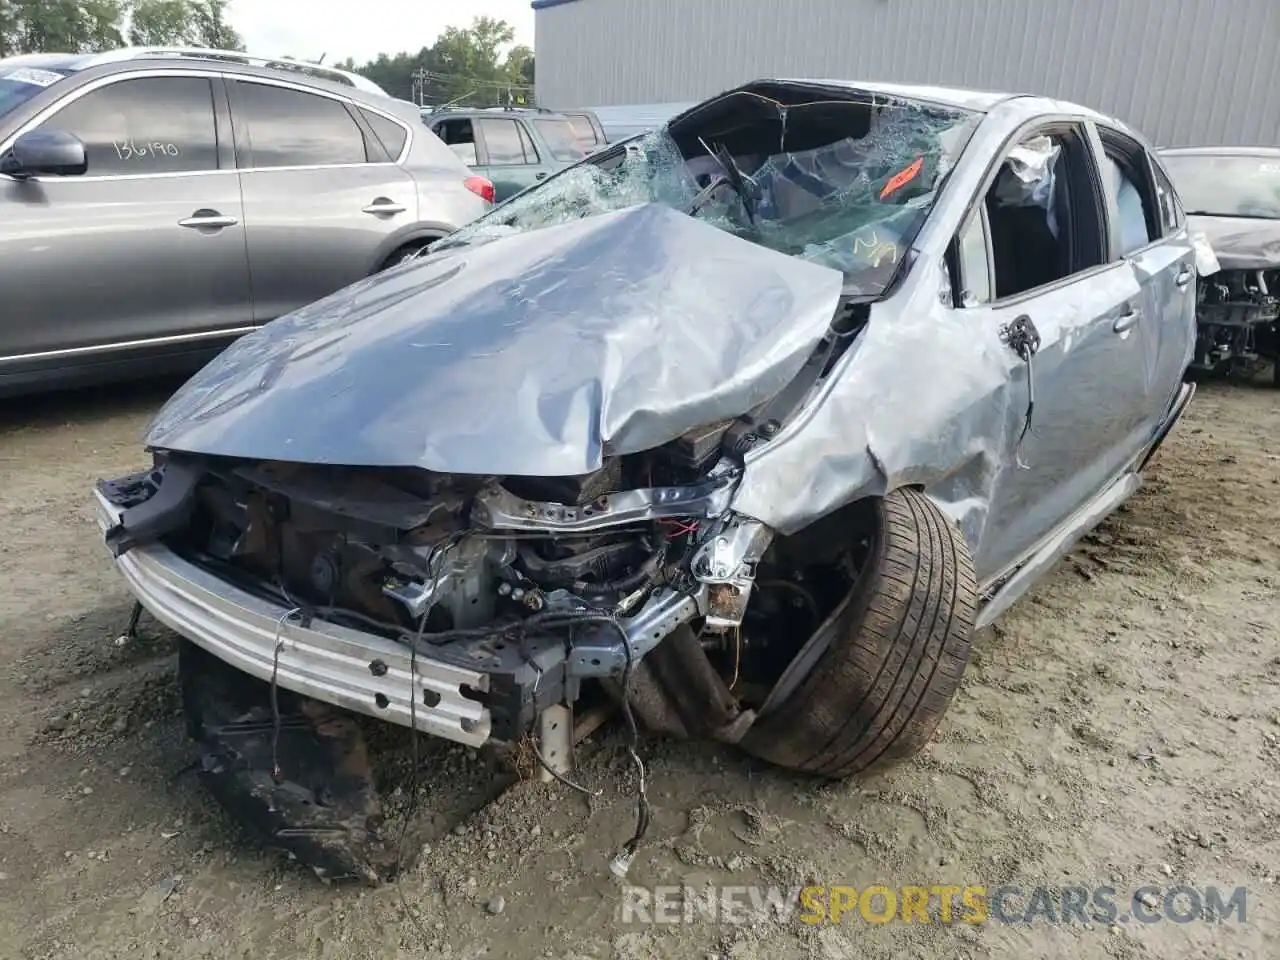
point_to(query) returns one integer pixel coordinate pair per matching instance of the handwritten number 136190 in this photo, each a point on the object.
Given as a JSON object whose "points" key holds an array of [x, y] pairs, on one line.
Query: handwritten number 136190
{"points": [[130, 150]]}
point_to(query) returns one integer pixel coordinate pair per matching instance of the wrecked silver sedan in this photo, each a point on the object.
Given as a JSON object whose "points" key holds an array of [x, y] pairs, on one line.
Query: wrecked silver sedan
{"points": [[746, 424], [1232, 196]]}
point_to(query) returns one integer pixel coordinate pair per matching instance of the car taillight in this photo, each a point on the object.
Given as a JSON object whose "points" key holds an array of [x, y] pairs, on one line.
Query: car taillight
{"points": [[481, 187]]}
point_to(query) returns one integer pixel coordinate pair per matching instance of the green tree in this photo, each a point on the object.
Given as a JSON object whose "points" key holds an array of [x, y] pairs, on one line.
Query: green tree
{"points": [[212, 27], [518, 64], [196, 23], [72, 26], [84, 26], [464, 64]]}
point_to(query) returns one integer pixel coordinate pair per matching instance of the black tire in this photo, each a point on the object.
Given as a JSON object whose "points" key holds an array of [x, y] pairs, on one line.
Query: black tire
{"points": [[879, 691], [407, 252]]}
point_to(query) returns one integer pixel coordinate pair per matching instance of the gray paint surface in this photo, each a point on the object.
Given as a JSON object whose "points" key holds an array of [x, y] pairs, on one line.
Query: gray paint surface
{"points": [[527, 356], [531, 353], [1181, 71], [100, 268]]}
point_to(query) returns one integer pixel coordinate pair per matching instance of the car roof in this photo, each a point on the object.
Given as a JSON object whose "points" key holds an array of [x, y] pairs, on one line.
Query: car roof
{"points": [[1207, 151], [134, 57], [958, 98], [977, 100], [535, 112]]}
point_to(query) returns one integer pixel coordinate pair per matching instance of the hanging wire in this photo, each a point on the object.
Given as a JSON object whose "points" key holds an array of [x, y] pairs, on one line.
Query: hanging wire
{"points": [[275, 690]]}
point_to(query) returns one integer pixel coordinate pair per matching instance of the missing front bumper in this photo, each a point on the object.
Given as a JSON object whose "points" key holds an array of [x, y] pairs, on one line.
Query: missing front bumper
{"points": [[349, 668]]}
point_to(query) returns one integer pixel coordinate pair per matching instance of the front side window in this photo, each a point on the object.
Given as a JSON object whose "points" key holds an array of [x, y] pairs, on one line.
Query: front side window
{"points": [[289, 128], [502, 142], [1227, 185], [148, 125], [846, 184], [1043, 222], [1167, 196]]}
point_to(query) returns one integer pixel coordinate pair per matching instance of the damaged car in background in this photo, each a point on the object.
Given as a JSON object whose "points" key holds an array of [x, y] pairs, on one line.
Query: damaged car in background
{"points": [[743, 425], [1232, 197]]}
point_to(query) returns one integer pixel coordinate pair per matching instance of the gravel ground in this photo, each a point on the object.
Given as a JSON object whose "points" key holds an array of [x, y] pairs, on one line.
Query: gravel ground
{"points": [[1120, 726]]}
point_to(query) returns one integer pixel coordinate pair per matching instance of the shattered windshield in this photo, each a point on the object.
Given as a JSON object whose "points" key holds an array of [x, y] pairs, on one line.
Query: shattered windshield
{"points": [[854, 204], [1227, 186]]}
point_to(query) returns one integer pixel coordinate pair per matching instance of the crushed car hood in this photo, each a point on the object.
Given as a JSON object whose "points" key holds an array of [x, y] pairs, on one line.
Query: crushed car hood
{"points": [[1241, 243], [536, 354]]}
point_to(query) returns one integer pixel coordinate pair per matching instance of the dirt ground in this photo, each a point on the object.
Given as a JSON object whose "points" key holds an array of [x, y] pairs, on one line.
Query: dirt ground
{"points": [[1121, 727]]}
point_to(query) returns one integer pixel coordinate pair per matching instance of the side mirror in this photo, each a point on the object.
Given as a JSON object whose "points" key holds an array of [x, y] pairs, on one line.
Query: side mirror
{"points": [[51, 152]]}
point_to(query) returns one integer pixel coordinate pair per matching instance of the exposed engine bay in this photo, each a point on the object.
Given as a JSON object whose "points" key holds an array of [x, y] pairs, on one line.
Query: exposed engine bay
{"points": [[1238, 316], [540, 582], [635, 583]]}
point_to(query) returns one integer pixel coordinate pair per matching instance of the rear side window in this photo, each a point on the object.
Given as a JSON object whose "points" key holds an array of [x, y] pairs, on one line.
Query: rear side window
{"points": [[390, 134], [526, 142], [149, 125], [1167, 197], [1131, 205], [1126, 176], [561, 138], [585, 132], [290, 128], [460, 137], [502, 142]]}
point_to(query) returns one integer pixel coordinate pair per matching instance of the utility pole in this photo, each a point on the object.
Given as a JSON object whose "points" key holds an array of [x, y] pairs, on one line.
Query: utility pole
{"points": [[420, 86]]}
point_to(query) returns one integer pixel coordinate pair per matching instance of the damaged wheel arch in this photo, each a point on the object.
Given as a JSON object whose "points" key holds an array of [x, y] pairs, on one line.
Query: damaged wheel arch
{"points": [[893, 652]]}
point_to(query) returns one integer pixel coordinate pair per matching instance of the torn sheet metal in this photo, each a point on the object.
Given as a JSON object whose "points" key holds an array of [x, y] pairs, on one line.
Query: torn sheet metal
{"points": [[874, 428], [528, 357], [1206, 260], [932, 397], [1239, 243]]}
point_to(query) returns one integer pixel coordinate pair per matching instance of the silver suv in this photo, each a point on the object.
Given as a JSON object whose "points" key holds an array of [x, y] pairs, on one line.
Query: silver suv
{"points": [[156, 204]]}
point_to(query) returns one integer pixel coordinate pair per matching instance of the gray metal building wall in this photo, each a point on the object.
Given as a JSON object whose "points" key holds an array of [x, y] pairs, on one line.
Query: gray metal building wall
{"points": [[1182, 71]]}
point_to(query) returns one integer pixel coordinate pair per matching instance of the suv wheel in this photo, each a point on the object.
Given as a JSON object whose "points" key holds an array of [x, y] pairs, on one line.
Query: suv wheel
{"points": [[405, 253]]}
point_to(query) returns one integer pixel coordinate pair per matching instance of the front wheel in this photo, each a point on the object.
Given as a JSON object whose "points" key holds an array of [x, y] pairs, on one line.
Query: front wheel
{"points": [[897, 655]]}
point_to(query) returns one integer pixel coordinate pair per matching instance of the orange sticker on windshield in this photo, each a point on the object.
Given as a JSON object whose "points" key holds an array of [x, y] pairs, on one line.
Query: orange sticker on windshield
{"points": [[902, 178]]}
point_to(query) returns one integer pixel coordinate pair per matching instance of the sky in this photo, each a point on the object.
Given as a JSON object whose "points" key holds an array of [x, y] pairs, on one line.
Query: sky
{"points": [[362, 28]]}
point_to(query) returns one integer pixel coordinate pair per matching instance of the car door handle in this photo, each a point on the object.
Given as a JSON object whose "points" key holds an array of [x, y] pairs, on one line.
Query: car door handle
{"points": [[1185, 276], [540, 176], [1127, 321], [382, 207], [207, 220]]}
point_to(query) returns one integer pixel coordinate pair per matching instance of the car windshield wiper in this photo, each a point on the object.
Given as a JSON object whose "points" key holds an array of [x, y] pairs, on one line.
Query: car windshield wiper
{"points": [[1234, 216]]}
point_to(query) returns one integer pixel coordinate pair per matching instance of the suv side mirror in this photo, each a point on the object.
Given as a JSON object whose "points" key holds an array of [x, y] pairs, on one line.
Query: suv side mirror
{"points": [[53, 152]]}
